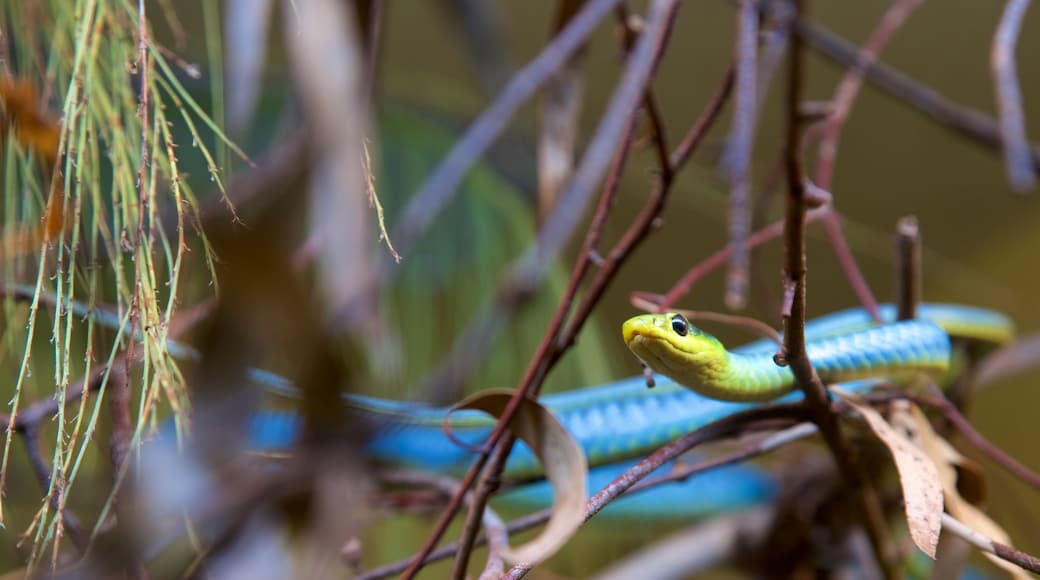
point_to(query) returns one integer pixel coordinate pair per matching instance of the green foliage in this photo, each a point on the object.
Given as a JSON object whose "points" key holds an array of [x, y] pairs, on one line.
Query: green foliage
{"points": [[457, 265]]}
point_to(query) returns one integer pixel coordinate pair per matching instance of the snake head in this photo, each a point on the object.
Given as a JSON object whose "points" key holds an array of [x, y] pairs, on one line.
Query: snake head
{"points": [[670, 345]]}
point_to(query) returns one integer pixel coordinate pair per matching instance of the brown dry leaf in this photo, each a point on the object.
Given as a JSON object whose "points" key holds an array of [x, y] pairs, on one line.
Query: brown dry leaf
{"points": [[39, 132], [918, 476], [946, 458], [32, 125], [559, 113], [565, 468]]}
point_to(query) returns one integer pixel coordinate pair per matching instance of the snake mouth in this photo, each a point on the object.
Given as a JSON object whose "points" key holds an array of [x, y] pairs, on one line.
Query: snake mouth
{"points": [[648, 335]]}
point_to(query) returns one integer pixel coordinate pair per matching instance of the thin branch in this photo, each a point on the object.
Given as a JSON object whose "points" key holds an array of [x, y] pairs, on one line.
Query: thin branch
{"points": [[962, 120], [908, 260], [980, 541], [142, 64], [849, 87], [739, 151], [653, 110], [1017, 153], [698, 131], [794, 353], [718, 259], [44, 409], [841, 104], [755, 449], [120, 440], [69, 522], [427, 203], [496, 528], [952, 414], [527, 272], [724, 427], [618, 122]]}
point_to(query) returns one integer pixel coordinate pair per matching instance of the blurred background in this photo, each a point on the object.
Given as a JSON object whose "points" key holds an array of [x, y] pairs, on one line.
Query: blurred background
{"points": [[439, 65]]}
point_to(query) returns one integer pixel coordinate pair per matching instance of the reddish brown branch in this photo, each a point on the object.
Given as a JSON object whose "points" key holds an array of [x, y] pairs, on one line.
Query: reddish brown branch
{"points": [[529, 270], [643, 63], [978, 440], [794, 354], [908, 260]]}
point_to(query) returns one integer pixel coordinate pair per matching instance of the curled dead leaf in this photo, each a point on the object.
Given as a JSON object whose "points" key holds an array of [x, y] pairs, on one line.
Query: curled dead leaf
{"points": [[565, 467]]}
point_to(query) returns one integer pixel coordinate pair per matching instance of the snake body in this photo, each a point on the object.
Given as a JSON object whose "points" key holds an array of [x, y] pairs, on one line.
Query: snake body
{"points": [[625, 419]]}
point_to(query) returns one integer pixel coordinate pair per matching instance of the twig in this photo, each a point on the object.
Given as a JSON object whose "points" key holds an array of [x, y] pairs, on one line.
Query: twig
{"points": [[794, 353], [849, 88], [119, 449], [698, 131], [964, 121], [283, 163], [977, 539], [70, 523], [496, 528], [142, 63], [653, 110], [516, 526], [119, 400], [472, 347], [427, 203], [841, 105], [1017, 152], [678, 474], [716, 260], [908, 260], [618, 119], [724, 427], [952, 414], [739, 149]]}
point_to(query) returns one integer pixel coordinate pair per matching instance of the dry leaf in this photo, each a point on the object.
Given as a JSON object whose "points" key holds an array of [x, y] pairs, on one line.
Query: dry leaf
{"points": [[565, 468], [918, 476], [945, 457]]}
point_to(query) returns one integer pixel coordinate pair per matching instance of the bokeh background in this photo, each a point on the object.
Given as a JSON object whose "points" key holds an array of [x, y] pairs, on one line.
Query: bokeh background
{"points": [[981, 240]]}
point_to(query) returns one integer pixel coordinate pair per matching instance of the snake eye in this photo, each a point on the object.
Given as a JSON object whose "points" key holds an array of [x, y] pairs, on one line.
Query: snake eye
{"points": [[680, 325]]}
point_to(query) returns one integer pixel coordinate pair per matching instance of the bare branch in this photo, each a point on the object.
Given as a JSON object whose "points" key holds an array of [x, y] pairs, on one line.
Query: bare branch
{"points": [[1021, 172]]}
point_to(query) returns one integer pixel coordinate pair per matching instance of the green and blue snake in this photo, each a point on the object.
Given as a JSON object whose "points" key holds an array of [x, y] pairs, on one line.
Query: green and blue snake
{"points": [[700, 381]]}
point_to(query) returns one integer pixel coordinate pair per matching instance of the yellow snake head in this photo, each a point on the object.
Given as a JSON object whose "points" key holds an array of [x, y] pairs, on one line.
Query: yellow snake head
{"points": [[670, 345]]}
